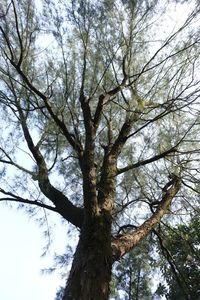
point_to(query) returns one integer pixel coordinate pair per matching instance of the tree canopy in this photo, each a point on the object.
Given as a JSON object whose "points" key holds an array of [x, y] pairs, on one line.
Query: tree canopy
{"points": [[100, 124]]}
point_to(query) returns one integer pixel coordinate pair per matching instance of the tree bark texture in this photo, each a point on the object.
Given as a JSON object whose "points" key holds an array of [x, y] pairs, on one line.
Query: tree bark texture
{"points": [[91, 269]]}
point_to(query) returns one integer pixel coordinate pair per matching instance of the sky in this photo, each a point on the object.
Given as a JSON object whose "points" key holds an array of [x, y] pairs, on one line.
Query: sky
{"points": [[21, 245]]}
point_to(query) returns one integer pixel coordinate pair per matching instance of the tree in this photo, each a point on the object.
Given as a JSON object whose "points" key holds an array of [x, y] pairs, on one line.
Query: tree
{"points": [[176, 262], [133, 274], [180, 248], [99, 102]]}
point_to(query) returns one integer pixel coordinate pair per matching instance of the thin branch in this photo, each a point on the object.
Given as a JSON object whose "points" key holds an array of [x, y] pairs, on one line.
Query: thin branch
{"points": [[8, 44], [6, 12], [145, 69], [11, 162], [18, 34], [104, 98], [172, 264], [60, 123], [16, 198], [147, 161]]}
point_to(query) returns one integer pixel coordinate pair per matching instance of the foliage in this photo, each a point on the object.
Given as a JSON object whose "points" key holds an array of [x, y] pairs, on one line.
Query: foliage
{"points": [[133, 274], [181, 249], [174, 258]]}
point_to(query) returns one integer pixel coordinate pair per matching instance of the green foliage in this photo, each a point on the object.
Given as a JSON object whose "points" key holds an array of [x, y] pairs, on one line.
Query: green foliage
{"points": [[178, 269], [133, 275], [183, 252]]}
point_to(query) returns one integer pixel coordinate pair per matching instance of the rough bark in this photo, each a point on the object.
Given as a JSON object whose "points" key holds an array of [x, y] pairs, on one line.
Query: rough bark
{"points": [[91, 269]]}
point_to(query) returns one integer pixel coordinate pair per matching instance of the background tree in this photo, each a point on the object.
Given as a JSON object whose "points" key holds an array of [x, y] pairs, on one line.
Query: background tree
{"points": [[180, 246], [176, 263], [100, 110], [132, 275]]}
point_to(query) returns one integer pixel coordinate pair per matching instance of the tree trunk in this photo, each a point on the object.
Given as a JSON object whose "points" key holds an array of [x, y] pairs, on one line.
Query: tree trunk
{"points": [[90, 274]]}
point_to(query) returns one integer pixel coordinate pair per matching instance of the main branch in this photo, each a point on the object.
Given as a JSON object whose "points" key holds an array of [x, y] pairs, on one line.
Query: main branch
{"points": [[123, 244]]}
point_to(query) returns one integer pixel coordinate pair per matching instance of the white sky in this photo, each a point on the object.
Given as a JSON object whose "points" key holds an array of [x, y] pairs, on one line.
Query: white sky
{"points": [[21, 244]]}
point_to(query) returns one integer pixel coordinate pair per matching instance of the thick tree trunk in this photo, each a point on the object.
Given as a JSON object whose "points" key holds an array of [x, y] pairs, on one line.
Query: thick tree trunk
{"points": [[91, 269]]}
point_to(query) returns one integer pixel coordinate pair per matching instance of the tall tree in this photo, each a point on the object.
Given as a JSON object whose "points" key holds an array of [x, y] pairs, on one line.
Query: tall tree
{"points": [[104, 96]]}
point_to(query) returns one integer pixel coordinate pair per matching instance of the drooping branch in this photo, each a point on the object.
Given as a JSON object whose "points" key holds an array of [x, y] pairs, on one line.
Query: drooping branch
{"points": [[69, 211], [14, 198], [175, 270], [10, 161], [123, 244], [76, 146]]}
